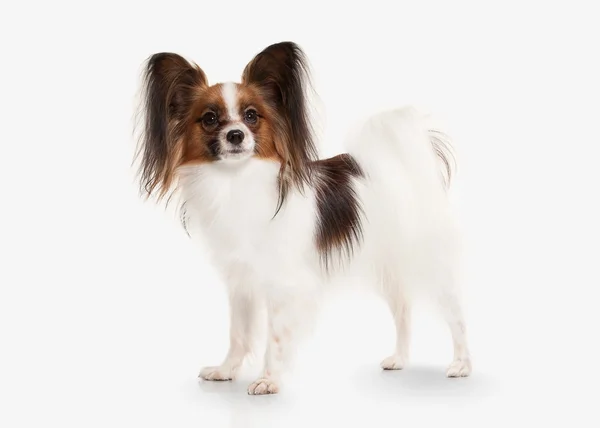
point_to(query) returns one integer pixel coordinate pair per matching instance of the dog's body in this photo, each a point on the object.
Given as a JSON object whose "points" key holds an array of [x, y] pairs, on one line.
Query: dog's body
{"points": [[379, 211]]}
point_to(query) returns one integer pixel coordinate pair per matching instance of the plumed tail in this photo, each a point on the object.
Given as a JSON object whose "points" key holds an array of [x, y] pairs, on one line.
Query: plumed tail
{"points": [[404, 142]]}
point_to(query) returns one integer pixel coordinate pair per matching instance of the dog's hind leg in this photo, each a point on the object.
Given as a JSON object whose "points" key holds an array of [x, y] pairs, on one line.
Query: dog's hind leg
{"points": [[400, 308], [453, 315]]}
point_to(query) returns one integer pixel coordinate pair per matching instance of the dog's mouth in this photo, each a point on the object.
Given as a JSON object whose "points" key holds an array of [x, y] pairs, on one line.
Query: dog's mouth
{"points": [[234, 153]]}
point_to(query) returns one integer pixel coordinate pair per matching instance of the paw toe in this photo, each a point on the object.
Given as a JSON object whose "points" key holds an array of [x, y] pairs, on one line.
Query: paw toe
{"points": [[263, 387], [215, 374], [459, 368], [393, 362]]}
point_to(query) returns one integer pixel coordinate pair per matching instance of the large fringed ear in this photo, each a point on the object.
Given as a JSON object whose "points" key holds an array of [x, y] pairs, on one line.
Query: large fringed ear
{"points": [[280, 72], [171, 85]]}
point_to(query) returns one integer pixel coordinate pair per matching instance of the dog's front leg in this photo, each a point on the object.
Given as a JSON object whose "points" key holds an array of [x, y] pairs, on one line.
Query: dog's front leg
{"points": [[242, 329], [288, 317]]}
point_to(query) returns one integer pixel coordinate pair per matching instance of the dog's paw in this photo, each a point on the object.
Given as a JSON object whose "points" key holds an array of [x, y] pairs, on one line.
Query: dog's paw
{"points": [[459, 368], [393, 362], [263, 386], [220, 373]]}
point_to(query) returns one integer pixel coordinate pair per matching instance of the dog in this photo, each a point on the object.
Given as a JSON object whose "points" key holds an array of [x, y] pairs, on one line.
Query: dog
{"points": [[281, 223]]}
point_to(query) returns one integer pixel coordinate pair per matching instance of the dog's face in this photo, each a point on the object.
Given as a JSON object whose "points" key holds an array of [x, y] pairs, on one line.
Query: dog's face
{"points": [[230, 122], [189, 122]]}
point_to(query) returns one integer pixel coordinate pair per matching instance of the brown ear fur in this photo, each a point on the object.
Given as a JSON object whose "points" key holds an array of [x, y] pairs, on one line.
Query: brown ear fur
{"points": [[280, 73], [171, 85]]}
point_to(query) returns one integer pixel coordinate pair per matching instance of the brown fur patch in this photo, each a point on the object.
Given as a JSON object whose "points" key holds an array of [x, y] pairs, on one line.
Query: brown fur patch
{"points": [[339, 226], [250, 96], [199, 139]]}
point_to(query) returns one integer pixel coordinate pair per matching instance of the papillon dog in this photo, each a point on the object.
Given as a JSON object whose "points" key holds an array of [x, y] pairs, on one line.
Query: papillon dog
{"points": [[280, 223]]}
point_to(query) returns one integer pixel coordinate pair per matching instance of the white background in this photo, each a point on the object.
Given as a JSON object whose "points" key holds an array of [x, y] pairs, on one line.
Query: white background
{"points": [[108, 311]]}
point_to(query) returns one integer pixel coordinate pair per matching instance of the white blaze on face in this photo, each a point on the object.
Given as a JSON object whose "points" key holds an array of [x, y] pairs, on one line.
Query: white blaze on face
{"points": [[230, 95]]}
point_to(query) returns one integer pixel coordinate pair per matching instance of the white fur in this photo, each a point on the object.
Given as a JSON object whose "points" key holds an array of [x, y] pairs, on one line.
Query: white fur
{"points": [[410, 243], [229, 91], [228, 151]]}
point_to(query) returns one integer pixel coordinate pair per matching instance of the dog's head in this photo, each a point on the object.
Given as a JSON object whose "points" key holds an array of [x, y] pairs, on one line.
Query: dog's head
{"points": [[188, 121]]}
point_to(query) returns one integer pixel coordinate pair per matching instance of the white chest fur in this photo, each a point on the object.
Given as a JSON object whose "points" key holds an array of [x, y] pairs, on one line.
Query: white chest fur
{"points": [[233, 206]]}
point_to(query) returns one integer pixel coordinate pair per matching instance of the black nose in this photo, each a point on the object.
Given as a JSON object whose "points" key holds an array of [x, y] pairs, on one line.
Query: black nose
{"points": [[235, 136]]}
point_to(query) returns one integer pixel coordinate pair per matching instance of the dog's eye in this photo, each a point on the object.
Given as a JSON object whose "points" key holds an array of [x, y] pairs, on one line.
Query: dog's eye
{"points": [[251, 116], [209, 119]]}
